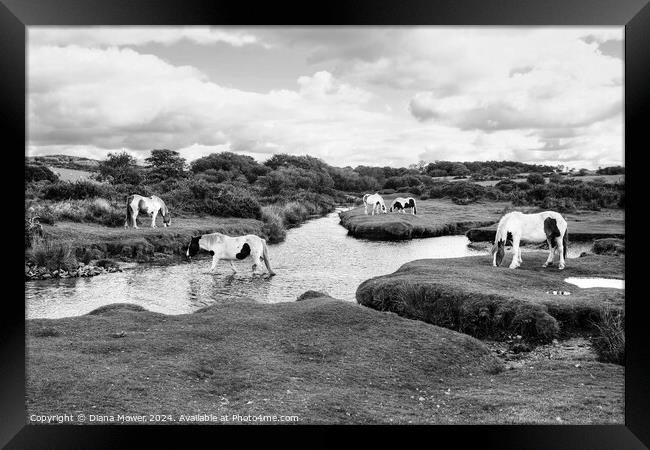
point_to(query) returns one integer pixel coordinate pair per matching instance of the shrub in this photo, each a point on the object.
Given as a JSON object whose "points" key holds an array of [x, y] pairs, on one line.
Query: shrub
{"points": [[81, 189], [39, 172], [535, 178], [609, 341]]}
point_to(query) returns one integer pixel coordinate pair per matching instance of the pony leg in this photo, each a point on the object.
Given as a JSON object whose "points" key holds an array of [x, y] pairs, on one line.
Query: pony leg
{"points": [[365, 208], [515, 253], [560, 250], [232, 266], [213, 267], [256, 260], [153, 219], [135, 219], [551, 253]]}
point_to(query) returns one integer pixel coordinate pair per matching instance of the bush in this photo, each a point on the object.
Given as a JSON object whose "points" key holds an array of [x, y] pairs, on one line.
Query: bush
{"points": [[82, 189], [609, 342], [38, 172], [535, 178]]}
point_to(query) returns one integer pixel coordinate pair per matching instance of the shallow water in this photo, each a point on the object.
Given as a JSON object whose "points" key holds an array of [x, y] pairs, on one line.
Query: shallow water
{"points": [[596, 282], [318, 255]]}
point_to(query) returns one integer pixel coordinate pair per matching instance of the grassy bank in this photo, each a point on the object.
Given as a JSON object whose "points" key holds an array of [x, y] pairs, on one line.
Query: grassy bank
{"points": [[471, 296], [434, 218], [583, 226], [145, 243], [321, 359]]}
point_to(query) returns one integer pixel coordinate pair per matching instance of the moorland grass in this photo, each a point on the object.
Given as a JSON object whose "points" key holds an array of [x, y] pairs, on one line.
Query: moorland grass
{"points": [[470, 296], [324, 360]]}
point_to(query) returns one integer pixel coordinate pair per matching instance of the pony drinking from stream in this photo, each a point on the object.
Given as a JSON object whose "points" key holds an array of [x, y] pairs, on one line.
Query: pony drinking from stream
{"points": [[376, 201], [547, 225], [148, 205], [231, 248]]}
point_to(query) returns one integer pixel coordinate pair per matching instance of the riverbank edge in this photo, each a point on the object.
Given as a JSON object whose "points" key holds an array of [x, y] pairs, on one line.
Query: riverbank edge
{"points": [[419, 291], [398, 230], [158, 245]]}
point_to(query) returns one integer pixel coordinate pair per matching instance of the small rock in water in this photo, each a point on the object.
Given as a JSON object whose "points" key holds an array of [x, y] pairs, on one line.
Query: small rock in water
{"points": [[119, 335]]}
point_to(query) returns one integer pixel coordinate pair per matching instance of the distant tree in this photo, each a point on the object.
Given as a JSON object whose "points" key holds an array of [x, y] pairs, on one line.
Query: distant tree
{"points": [[230, 162], [459, 169], [502, 172], [119, 168], [535, 178], [165, 164]]}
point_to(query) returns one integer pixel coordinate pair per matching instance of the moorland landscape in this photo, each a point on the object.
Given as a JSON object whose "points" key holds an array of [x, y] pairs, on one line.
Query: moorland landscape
{"points": [[437, 341]]}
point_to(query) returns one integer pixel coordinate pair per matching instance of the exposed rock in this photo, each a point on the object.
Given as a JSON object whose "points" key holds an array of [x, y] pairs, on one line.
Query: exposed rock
{"points": [[312, 294]]}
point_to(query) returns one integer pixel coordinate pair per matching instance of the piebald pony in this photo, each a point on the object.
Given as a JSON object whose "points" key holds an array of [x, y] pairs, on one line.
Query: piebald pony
{"points": [[231, 248], [400, 204], [547, 225]]}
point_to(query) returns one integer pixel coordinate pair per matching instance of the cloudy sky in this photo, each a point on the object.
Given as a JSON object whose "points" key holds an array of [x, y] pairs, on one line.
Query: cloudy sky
{"points": [[349, 95]]}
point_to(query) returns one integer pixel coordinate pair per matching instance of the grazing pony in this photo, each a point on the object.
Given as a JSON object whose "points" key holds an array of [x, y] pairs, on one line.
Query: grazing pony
{"points": [[401, 204], [148, 205], [231, 248], [376, 201], [547, 225]]}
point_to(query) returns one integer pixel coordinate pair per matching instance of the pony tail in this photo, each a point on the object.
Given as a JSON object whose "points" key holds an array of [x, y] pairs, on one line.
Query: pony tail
{"points": [[129, 213], [565, 242], [415, 209]]}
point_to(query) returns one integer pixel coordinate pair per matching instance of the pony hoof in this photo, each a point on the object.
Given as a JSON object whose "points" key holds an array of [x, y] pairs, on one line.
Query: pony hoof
{"points": [[561, 268]]}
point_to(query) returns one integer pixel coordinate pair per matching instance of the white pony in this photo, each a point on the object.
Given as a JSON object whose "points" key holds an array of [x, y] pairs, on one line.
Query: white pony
{"points": [[231, 249], [401, 204], [148, 205], [547, 225], [376, 201]]}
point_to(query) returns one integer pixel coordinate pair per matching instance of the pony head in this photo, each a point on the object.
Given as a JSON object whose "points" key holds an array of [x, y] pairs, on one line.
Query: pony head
{"points": [[498, 252], [167, 219], [193, 248]]}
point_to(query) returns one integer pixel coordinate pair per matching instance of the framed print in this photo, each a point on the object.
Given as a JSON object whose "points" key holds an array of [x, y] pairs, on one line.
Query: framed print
{"points": [[367, 213]]}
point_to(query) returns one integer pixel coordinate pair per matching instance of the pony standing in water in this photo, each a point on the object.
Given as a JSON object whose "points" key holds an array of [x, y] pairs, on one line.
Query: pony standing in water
{"points": [[231, 248], [376, 201], [547, 225], [401, 204], [148, 205]]}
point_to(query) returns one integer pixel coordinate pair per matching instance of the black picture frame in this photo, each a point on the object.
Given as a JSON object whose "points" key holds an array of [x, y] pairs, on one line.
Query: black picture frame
{"points": [[16, 15]]}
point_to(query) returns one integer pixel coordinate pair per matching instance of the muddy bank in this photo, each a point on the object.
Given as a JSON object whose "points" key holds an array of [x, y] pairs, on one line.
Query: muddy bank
{"points": [[93, 241], [471, 296], [435, 218], [583, 227]]}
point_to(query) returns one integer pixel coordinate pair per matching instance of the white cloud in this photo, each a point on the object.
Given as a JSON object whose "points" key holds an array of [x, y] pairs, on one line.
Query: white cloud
{"points": [[383, 97], [127, 35]]}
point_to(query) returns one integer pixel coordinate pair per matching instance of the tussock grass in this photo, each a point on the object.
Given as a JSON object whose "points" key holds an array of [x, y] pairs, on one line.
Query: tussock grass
{"points": [[609, 341], [52, 255]]}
